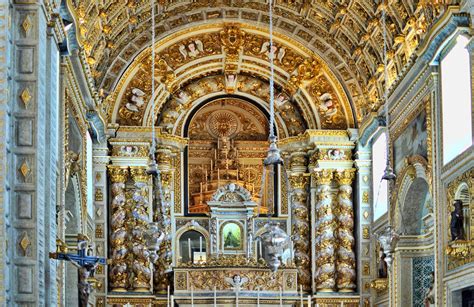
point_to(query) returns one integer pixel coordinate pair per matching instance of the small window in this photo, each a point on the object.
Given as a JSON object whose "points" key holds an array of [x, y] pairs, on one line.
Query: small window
{"points": [[90, 182], [456, 99], [379, 186]]}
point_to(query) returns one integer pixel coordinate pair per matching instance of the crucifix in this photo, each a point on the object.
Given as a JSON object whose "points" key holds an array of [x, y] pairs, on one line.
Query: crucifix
{"points": [[84, 262]]}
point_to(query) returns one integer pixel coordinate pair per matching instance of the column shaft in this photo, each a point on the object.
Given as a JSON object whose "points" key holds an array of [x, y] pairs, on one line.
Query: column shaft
{"points": [[300, 228], [325, 240], [345, 264], [118, 265]]}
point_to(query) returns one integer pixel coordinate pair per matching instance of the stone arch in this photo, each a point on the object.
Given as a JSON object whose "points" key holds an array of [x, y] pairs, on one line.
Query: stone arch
{"points": [[412, 198], [191, 226], [305, 78], [226, 192]]}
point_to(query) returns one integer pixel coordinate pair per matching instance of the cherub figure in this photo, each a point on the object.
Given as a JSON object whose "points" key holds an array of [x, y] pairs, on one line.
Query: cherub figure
{"points": [[236, 282]]}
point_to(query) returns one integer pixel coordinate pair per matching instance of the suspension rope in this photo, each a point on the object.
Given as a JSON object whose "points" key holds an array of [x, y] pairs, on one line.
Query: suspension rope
{"points": [[271, 56], [153, 141], [385, 89]]}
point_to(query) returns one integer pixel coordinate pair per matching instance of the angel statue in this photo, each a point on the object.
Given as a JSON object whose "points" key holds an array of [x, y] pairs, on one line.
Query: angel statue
{"points": [[236, 282]]}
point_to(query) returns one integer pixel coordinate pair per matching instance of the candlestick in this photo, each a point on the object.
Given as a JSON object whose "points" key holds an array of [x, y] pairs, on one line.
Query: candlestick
{"points": [[237, 298], [260, 248], [192, 296], [172, 300], [258, 296], [291, 252], [201, 187], [281, 297], [309, 300], [200, 244], [215, 297], [189, 249], [168, 297], [301, 295]]}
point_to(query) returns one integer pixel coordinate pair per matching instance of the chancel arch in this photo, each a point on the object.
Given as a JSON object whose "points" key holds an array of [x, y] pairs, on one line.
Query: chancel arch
{"points": [[300, 73]]}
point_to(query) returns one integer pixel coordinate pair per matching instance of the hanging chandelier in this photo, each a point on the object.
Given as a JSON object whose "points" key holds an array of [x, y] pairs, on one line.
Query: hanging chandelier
{"points": [[388, 174], [388, 237], [274, 239]]}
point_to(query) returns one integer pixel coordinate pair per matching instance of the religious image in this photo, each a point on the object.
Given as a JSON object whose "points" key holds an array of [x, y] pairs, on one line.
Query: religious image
{"points": [[411, 142], [232, 236], [228, 140]]}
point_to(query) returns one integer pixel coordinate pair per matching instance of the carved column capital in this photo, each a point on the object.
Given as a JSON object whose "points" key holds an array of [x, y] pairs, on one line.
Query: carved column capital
{"points": [[323, 176], [299, 181], [298, 162], [344, 177], [138, 174], [118, 174]]}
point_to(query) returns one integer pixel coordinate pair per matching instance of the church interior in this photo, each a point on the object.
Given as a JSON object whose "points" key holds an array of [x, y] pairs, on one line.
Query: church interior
{"points": [[237, 153]]}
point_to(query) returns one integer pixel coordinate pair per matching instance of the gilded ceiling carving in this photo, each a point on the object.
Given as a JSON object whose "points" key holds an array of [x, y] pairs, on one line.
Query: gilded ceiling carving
{"points": [[347, 35], [317, 98]]}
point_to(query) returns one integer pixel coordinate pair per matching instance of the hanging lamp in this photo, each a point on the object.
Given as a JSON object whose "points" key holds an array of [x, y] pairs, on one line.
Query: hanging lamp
{"points": [[274, 239], [388, 173], [388, 237]]}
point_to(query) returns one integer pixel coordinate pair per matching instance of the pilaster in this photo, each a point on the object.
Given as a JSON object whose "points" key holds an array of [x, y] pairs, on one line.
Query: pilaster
{"points": [[100, 160], [4, 145], [34, 156], [366, 267]]}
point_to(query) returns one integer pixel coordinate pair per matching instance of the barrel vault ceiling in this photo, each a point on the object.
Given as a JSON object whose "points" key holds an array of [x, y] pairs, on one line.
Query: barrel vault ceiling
{"points": [[343, 39]]}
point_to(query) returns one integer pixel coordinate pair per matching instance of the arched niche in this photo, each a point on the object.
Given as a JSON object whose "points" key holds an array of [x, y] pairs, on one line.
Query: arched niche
{"points": [[190, 233], [228, 140], [462, 188], [413, 213]]}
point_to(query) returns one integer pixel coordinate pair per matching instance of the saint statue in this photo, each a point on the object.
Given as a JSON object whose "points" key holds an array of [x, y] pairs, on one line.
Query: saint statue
{"points": [[457, 219], [429, 299], [382, 270]]}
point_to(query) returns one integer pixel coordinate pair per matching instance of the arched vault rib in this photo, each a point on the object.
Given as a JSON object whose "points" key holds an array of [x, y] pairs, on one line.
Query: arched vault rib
{"points": [[234, 51], [346, 34]]}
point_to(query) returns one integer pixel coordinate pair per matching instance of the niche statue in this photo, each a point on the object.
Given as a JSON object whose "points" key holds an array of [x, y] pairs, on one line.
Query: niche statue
{"points": [[457, 220], [382, 269]]}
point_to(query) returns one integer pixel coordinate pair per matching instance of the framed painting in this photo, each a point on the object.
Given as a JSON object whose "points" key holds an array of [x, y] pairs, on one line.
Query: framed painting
{"points": [[232, 236], [411, 141]]}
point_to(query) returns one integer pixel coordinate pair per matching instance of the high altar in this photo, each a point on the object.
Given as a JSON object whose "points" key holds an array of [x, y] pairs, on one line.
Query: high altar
{"points": [[212, 201]]}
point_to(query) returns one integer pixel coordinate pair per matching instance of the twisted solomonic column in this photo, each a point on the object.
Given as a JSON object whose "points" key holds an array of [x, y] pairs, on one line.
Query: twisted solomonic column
{"points": [[300, 228], [325, 239], [345, 264], [118, 266], [139, 219], [163, 204]]}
